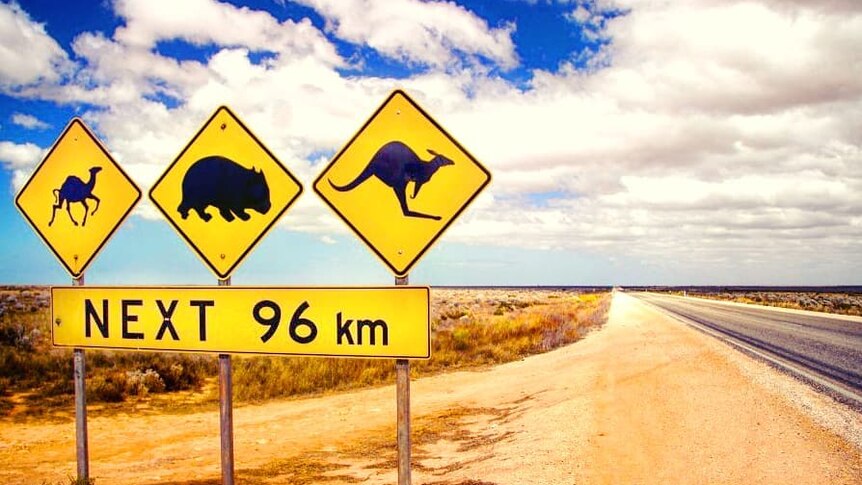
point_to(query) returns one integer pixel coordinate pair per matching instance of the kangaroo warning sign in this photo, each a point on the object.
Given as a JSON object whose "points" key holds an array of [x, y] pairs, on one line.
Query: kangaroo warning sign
{"points": [[224, 191], [77, 197], [385, 322], [400, 182]]}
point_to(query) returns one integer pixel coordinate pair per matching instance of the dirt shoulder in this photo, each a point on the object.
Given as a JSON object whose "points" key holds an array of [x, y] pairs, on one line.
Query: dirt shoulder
{"points": [[643, 400]]}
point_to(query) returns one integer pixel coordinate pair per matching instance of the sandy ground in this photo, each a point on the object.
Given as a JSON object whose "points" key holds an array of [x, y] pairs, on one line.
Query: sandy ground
{"points": [[643, 400]]}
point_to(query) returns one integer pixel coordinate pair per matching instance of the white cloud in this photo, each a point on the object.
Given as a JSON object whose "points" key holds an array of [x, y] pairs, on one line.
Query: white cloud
{"points": [[28, 55], [719, 129], [208, 22], [20, 156], [429, 32], [21, 159], [717, 132], [29, 121]]}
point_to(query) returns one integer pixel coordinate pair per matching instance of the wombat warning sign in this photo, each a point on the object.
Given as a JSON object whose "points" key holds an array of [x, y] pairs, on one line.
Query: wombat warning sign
{"points": [[224, 191]]}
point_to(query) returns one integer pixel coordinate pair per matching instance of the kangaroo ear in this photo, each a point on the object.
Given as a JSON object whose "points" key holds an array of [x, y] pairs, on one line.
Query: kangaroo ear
{"points": [[432, 152]]}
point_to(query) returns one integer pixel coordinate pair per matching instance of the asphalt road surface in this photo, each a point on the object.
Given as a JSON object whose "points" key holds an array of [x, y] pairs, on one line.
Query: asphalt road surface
{"points": [[822, 349]]}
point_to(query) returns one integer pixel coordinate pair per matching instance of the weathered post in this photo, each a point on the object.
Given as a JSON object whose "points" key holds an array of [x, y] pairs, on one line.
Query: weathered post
{"points": [[225, 394], [402, 390], [82, 452]]}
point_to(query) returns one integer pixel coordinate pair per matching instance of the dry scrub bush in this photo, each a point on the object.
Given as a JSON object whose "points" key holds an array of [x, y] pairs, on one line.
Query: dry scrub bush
{"points": [[29, 362], [469, 328]]}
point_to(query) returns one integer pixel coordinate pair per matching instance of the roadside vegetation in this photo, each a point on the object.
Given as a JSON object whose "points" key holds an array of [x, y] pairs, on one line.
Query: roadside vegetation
{"points": [[838, 303], [470, 328]]}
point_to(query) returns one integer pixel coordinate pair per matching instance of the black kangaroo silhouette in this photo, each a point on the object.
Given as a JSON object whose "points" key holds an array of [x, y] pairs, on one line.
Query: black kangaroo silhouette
{"points": [[396, 165], [75, 190]]}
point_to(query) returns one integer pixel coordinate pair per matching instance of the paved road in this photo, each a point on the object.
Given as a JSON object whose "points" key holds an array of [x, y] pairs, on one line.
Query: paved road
{"points": [[820, 348]]}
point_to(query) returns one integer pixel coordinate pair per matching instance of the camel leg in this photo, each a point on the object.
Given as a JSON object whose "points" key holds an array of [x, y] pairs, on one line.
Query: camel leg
{"points": [[91, 196], [69, 210], [58, 205], [86, 211]]}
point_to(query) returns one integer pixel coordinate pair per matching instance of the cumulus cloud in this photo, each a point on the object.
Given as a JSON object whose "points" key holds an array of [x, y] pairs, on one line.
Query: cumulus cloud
{"points": [[717, 128], [207, 22], [20, 155], [28, 55], [21, 159], [29, 121], [431, 33], [712, 131]]}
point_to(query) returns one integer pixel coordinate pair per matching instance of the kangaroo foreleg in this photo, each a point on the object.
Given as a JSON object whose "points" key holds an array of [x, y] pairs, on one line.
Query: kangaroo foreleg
{"points": [[416, 186]]}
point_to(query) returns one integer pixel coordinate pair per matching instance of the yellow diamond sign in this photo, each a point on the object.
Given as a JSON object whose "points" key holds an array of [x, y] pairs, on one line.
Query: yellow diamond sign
{"points": [[224, 192], [77, 197], [401, 182]]}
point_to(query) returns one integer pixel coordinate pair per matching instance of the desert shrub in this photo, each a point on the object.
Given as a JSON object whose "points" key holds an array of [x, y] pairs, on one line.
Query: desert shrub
{"points": [[142, 383], [483, 338], [29, 362], [107, 387], [177, 372]]}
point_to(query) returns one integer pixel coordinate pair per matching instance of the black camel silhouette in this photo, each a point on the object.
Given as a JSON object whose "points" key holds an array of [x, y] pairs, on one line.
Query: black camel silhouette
{"points": [[75, 190]]}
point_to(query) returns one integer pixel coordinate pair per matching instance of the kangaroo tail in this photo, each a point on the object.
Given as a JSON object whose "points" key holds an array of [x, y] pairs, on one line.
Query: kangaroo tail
{"points": [[352, 185]]}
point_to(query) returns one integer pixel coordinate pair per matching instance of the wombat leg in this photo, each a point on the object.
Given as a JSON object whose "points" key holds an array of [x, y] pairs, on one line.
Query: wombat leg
{"points": [[242, 214], [203, 215], [226, 214], [184, 211]]}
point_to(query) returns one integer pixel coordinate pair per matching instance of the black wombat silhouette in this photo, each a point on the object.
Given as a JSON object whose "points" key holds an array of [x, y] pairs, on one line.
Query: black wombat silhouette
{"points": [[75, 190], [226, 185], [396, 165]]}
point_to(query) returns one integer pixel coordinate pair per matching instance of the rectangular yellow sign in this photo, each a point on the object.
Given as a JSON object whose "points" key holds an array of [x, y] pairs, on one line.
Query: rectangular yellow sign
{"points": [[382, 322]]}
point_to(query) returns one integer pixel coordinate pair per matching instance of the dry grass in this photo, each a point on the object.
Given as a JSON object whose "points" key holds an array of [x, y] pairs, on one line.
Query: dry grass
{"points": [[36, 378], [470, 328], [839, 303]]}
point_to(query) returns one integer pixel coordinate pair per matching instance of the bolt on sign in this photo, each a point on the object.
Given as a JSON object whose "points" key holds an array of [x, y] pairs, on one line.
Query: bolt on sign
{"points": [[224, 191], [400, 182], [384, 322], [77, 197]]}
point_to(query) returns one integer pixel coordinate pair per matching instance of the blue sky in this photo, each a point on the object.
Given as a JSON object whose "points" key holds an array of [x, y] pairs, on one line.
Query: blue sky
{"points": [[631, 141]]}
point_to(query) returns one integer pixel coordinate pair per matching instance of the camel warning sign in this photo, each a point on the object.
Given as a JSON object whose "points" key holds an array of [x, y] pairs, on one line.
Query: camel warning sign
{"points": [[77, 197], [224, 191], [400, 182]]}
